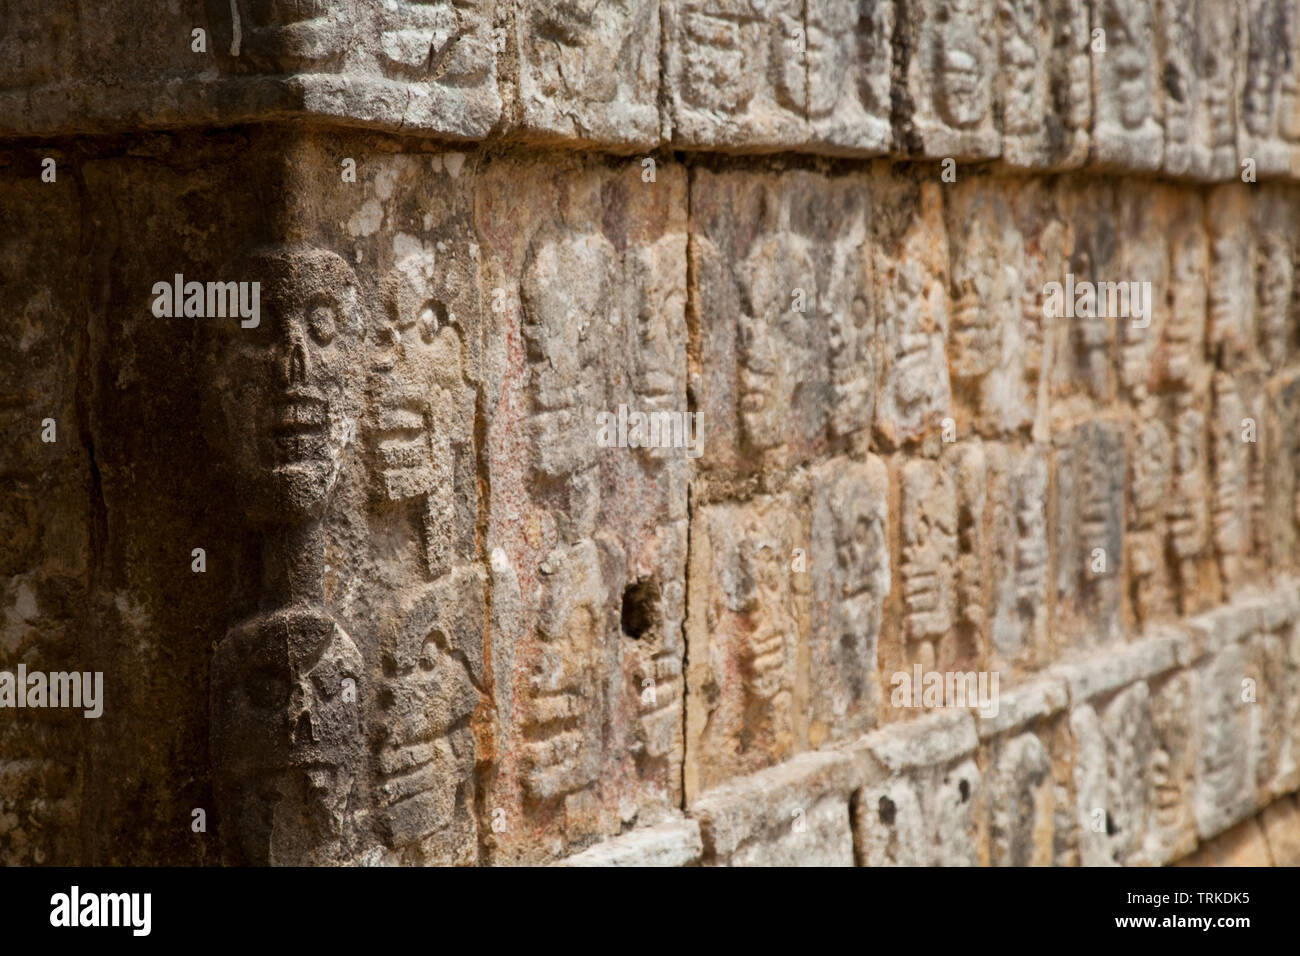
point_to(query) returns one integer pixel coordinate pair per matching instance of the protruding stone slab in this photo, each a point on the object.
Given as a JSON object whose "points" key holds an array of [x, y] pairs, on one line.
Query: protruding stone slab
{"points": [[1044, 83], [588, 72], [948, 79], [746, 75], [1266, 79], [1127, 96], [671, 844], [796, 814], [921, 803], [1225, 783], [1113, 748]]}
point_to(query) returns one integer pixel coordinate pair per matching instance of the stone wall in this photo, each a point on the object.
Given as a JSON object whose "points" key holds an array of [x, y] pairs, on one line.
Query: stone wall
{"points": [[388, 570]]}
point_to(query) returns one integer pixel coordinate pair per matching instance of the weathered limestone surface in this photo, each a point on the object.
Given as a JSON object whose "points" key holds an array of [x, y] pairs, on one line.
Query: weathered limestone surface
{"points": [[598, 479], [1195, 89]]}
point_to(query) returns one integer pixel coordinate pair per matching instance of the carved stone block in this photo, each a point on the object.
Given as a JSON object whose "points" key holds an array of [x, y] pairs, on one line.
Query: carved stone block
{"points": [[744, 74], [923, 817], [438, 56], [949, 78], [910, 268], [786, 358], [1189, 508], [1150, 479], [1231, 281], [1171, 827], [1021, 802], [1282, 488], [1182, 358], [849, 564], [1238, 499], [927, 571], [588, 658], [941, 606], [1085, 338], [432, 664], [1274, 277], [1019, 572], [1149, 222], [1127, 101], [1272, 738], [747, 632], [1267, 69], [1225, 783], [589, 71], [287, 738], [999, 243], [1044, 86], [1113, 750], [1089, 463], [794, 814], [1198, 40]]}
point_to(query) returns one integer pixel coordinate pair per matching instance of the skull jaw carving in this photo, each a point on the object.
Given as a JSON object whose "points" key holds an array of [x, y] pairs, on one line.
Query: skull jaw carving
{"points": [[280, 407], [286, 737], [286, 726]]}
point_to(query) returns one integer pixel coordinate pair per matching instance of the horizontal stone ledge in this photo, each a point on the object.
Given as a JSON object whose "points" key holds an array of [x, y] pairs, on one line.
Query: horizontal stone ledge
{"points": [[1071, 84], [670, 844], [793, 812], [357, 102], [1148, 738]]}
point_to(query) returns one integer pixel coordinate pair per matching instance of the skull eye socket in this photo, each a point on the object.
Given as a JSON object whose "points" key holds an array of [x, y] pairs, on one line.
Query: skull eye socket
{"points": [[322, 320]]}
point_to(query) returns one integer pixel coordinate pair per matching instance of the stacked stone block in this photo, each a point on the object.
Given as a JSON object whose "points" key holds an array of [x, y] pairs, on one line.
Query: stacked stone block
{"points": [[451, 615]]}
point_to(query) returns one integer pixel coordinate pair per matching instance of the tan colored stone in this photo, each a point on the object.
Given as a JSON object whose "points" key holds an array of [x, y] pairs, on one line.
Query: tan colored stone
{"points": [[1280, 821], [747, 633]]}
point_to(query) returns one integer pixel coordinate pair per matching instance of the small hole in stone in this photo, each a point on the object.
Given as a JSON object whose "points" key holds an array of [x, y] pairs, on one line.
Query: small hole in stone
{"points": [[886, 811], [1111, 829], [641, 609], [964, 787]]}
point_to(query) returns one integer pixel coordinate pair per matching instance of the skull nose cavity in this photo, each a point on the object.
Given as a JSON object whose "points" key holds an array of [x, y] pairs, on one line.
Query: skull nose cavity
{"points": [[297, 363]]}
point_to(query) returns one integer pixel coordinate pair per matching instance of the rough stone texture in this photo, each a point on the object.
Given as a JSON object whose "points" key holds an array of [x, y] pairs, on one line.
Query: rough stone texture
{"points": [[47, 518], [1089, 480], [747, 635], [748, 75], [1190, 88], [909, 285], [1044, 83], [1246, 844], [850, 571], [951, 57], [647, 449], [1197, 42], [1126, 87], [1279, 822], [588, 545], [793, 815], [588, 71], [675, 843], [922, 798], [783, 360]]}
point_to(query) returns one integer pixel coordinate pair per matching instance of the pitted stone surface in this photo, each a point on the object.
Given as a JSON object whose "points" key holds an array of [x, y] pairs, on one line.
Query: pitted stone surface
{"points": [[660, 424]]}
